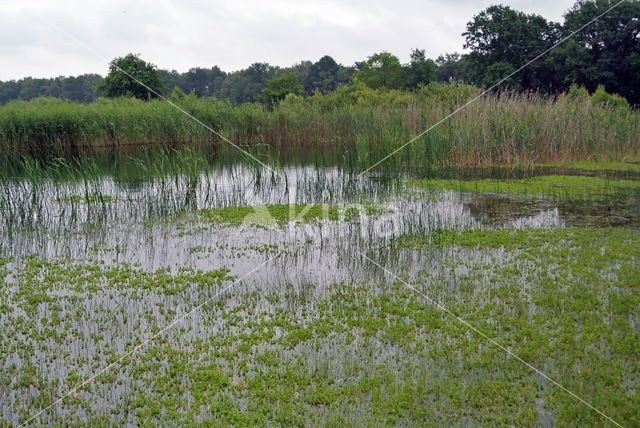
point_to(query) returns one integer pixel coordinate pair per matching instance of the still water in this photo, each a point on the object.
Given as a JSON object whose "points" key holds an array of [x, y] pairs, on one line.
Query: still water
{"points": [[96, 264]]}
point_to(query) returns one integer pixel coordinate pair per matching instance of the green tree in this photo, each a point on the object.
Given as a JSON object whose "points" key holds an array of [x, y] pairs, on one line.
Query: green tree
{"points": [[323, 75], [33, 88], [499, 71], [122, 72], [203, 81], [82, 88], [9, 91], [420, 71], [503, 39], [279, 87], [171, 79], [246, 85], [451, 67], [606, 52], [380, 69], [303, 70]]}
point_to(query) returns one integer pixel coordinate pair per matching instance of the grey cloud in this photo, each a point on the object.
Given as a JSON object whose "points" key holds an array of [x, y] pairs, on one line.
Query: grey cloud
{"points": [[230, 33]]}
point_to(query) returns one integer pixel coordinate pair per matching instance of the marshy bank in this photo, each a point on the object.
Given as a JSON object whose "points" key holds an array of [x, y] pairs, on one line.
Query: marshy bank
{"points": [[100, 253], [361, 125]]}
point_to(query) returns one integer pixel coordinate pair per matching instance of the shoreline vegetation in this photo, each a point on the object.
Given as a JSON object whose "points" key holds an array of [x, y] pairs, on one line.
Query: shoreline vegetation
{"points": [[363, 125]]}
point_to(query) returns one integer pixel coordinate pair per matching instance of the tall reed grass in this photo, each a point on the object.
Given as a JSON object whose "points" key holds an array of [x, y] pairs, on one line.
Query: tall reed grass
{"points": [[361, 124]]}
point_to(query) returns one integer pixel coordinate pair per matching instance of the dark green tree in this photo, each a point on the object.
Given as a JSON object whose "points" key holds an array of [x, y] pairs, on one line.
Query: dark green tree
{"points": [[502, 39], [323, 75], [9, 91], [53, 87], [303, 70], [171, 79], [246, 85], [31, 88], [82, 88], [499, 71], [420, 71], [344, 74], [203, 81], [255, 79], [279, 87], [606, 52], [122, 72], [451, 68], [197, 81], [380, 69]]}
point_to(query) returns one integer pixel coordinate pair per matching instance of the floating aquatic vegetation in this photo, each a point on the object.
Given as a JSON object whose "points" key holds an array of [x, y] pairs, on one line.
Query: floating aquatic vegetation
{"points": [[91, 268]]}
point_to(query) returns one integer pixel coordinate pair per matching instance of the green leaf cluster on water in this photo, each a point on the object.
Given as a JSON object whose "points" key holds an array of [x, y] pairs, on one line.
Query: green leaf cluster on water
{"points": [[562, 185], [280, 214], [316, 353], [632, 165], [564, 300]]}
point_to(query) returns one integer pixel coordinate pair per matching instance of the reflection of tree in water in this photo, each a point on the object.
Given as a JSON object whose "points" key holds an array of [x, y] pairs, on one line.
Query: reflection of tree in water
{"points": [[612, 210], [495, 209]]}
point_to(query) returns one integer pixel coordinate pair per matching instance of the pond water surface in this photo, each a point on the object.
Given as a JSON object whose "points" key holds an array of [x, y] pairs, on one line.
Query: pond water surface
{"points": [[235, 296]]}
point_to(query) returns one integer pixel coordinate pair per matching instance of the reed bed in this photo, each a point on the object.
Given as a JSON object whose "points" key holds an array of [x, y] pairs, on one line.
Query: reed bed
{"points": [[362, 124]]}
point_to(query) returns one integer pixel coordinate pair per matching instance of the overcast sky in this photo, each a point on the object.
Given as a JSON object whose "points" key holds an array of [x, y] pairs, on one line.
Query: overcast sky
{"points": [[231, 34]]}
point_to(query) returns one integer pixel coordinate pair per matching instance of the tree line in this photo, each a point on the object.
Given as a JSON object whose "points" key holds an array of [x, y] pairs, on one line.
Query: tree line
{"points": [[499, 40]]}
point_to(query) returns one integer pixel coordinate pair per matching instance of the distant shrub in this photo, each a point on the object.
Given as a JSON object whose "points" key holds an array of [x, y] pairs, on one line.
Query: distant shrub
{"points": [[613, 101], [177, 94], [577, 93], [292, 100], [448, 93]]}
